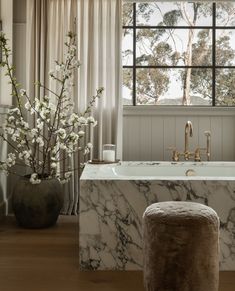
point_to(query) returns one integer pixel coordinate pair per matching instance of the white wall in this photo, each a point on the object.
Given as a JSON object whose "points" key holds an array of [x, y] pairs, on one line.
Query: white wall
{"points": [[149, 131]]}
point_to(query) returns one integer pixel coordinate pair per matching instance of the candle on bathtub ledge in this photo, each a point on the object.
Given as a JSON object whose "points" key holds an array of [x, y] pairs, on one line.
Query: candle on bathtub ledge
{"points": [[109, 153]]}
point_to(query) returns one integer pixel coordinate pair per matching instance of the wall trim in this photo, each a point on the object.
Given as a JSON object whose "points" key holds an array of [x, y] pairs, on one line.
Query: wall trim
{"points": [[146, 110]]}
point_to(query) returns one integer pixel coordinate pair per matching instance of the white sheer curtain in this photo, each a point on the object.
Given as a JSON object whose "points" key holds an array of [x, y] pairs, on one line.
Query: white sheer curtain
{"points": [[99, 45], [48, 22], [99, 41]]}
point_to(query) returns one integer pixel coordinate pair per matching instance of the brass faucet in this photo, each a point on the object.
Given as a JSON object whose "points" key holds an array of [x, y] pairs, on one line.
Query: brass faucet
{"points": [[208, 144], [207, 150], [188, 132]]}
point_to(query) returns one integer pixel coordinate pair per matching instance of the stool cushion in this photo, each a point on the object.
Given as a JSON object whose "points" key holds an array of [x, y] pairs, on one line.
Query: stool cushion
{"points": [[180, 247]]}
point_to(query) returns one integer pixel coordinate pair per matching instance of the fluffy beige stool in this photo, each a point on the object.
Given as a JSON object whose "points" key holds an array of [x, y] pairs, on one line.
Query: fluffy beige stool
{"points": [[181, 242]]}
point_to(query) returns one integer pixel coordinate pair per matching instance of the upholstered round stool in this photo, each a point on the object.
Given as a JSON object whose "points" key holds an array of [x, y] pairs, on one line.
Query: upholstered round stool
{"points": [[181, 242]]}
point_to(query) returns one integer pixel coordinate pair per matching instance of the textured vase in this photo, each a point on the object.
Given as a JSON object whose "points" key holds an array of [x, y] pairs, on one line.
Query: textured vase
{"points": [[37, 205]]}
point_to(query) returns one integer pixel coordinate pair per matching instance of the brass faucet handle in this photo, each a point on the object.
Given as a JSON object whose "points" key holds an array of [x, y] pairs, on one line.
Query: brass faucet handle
{"points": [[187, 155], [175, 153], [197, 154]]}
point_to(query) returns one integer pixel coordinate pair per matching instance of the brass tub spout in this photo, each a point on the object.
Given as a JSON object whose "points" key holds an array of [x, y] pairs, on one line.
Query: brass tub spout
{"points": [[188, 132]]}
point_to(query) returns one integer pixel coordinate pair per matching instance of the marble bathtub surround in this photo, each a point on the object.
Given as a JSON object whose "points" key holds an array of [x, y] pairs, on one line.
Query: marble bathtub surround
{"points": [[112, 203]]}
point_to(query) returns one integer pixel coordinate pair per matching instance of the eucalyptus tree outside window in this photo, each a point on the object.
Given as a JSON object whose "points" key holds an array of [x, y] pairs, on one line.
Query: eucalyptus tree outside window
{"points": [[179, 53]]}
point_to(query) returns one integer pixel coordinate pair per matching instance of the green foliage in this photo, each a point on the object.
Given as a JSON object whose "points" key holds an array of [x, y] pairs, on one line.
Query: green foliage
{"points": [[157, 47], [172, 18]]}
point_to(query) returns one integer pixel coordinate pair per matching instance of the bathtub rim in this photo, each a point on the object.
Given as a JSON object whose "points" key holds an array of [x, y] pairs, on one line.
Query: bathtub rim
{"points": [[90, 172]]}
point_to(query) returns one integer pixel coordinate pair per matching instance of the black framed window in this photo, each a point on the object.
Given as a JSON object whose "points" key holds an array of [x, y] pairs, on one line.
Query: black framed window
{"points": [[179, 53]]}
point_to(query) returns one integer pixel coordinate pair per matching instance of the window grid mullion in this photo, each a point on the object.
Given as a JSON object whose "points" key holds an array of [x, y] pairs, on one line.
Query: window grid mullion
{"points": [[134, 54], [213, 53], [213, 66]]}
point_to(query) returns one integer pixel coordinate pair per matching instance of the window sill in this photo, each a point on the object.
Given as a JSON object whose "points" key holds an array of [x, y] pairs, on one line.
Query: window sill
{"points": [[177, 110]]}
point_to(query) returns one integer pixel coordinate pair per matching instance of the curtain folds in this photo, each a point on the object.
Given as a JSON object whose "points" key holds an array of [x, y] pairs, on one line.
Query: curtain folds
{"points": [[99, 38], [48, 22], [99, 50]]}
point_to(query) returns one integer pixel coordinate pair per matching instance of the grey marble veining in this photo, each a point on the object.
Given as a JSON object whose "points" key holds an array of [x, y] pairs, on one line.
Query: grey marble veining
{"points": [[110, 217]]}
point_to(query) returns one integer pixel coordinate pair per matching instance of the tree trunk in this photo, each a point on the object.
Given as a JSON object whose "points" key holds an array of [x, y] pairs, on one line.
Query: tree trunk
{"points": [[186, 100]]}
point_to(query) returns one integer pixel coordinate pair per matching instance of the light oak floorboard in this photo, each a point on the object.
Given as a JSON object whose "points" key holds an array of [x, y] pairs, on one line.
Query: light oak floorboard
{"points": [[47, 260]]}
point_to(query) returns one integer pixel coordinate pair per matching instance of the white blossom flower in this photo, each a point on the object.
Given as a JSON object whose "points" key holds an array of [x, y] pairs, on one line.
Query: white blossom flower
{"points": [[16, 135], [40, 141], [58, 127], [22, 92], [53, 165], [10, 161], [11, 119], [39, 124], [73, 137], [34, 132], [51, 106], [51, 73], [73, 119], [22, 142], [57, 68], [24, 124], [26, 156], [62, 146], [90, 119], [27, 106], [9, 130], [15, 111], [43, 114], [37, 104], [67, 175], [34, 179], [86, 151], [82, 120], [89, 145], [61, 133], [46, 98]]}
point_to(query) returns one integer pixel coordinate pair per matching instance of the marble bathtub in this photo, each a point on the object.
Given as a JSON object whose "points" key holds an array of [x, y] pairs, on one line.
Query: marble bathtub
{"points": [[113, 199]]}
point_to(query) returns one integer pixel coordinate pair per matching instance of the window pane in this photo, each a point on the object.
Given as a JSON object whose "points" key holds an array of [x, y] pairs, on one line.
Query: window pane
{"points": [[166, 86], [225, 87], [225, 14], [225, 47], [127, 14], [174, 14], [127, 47], [127, 88], [171, 47]]}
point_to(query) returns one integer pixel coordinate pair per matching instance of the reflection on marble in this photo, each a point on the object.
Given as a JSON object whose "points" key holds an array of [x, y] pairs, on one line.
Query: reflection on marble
{"points": [[110, 233]]}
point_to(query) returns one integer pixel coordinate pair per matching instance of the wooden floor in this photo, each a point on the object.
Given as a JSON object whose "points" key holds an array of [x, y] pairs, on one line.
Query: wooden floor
{"points": [[47, 260]]}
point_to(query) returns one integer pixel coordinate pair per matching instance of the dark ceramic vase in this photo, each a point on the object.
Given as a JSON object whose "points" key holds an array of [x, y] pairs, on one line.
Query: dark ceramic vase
{"points": [[37, 205]]}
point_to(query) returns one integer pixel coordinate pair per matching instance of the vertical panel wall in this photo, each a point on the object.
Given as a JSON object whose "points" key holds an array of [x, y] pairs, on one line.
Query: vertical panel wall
{"points": [[149, 131]]}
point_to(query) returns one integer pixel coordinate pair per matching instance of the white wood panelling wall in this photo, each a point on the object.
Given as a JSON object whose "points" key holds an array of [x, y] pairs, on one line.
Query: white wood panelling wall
{"points": [[149, 131]]}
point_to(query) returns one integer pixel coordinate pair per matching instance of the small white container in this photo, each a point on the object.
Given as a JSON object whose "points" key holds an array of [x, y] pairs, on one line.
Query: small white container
{"points": [[109, 153]]}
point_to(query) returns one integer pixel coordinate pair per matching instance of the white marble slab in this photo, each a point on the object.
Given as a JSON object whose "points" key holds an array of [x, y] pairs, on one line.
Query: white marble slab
{"points": [[111, 209]]}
